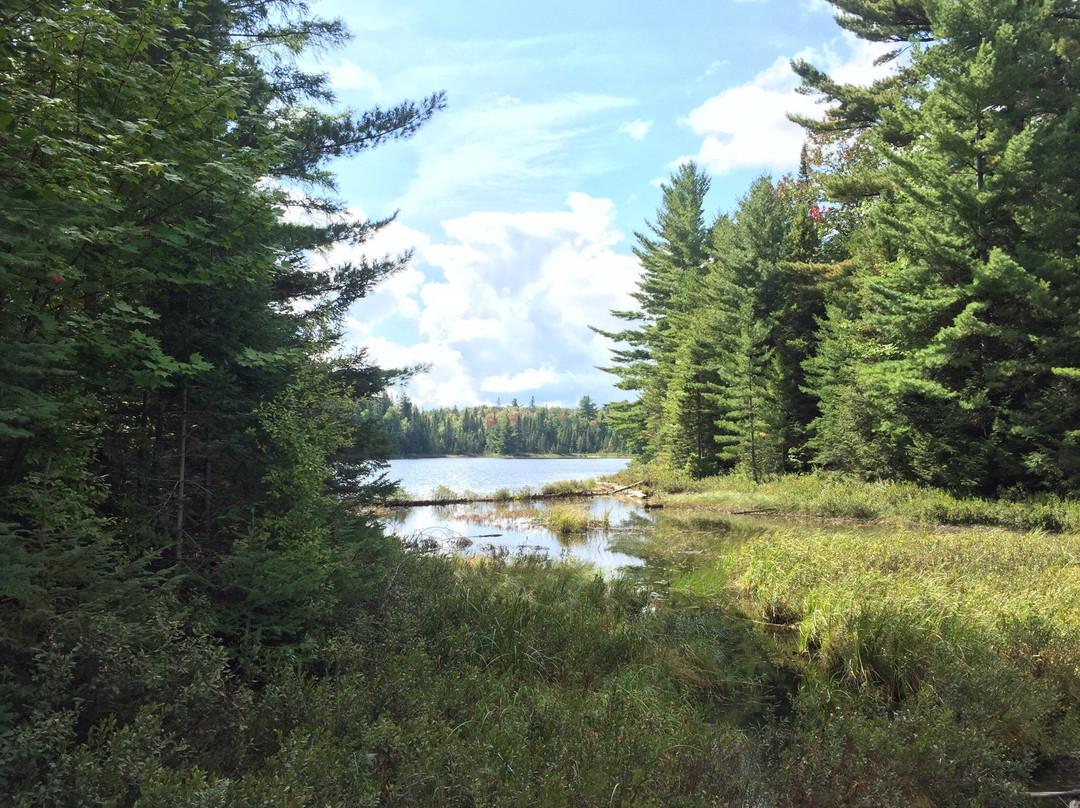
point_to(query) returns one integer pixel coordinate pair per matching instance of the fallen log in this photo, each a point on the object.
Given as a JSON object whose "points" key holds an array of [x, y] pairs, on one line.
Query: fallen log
{"points": [[1073, 795], [624, 488]]}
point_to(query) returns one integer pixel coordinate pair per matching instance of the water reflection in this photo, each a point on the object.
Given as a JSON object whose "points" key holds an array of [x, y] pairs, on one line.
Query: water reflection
{"points": [[483, 527]]}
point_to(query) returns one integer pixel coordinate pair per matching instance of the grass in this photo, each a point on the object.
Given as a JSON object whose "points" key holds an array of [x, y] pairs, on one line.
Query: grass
{"points": [[935, 639], [567, 488], [533, 683], [566, 520], [464, 684], [816, 665], [934, 665], [915, 649], [842, 496]]}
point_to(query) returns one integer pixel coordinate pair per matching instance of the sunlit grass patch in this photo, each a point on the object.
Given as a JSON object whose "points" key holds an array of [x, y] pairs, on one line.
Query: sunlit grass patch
{"points": [[567, 488], [564, 520], [843, 496], [960, 631]]}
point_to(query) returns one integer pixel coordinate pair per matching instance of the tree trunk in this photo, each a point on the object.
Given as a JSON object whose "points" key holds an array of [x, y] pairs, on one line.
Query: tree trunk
{"points": [[178, 536]]}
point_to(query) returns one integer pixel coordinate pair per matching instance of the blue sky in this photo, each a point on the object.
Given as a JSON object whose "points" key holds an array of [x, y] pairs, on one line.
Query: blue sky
{"points": [[521, 199]]}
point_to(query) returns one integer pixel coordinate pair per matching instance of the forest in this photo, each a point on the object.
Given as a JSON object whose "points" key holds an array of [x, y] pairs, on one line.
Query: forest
{"points": [[198, 604], [903, 308], [496, 430], [185, 451]]}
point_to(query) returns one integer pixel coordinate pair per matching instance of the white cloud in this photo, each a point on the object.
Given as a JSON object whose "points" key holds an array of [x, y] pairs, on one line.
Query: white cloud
{"points": [[446, 385], [348, 76], [636, 129], [747, 126], [505, 304], [398, 294], [503, 144], [530, 379]]}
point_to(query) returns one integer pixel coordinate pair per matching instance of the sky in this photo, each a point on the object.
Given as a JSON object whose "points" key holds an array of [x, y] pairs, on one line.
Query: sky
{"points": [[520, 201]]}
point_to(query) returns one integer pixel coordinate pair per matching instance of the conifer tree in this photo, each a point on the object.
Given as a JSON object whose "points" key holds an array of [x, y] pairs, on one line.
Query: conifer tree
{"points": [[148, 280], [748, 432], [674, 259], [973, 321]]}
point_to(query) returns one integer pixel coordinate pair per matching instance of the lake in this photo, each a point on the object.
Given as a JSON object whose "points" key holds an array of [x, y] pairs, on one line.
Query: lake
{"points": [[486, 475]]}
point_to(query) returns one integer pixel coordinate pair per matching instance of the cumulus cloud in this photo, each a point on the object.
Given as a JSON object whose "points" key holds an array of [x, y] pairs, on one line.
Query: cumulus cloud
{"points": [[636, 129], [505, 306], [747, 126]]}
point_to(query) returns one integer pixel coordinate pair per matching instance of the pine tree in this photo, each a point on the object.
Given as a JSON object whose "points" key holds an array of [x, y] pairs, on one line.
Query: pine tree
{"points": [[149, 280], [748, 431], [973, 319], [674, 259]]}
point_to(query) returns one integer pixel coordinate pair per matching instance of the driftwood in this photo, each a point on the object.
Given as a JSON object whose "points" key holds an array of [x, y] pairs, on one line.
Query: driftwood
{"points": [[1073, 796], [620, 490]]}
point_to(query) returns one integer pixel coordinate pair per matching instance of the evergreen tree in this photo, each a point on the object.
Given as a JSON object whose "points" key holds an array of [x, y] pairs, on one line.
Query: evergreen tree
{"points": [[673, 259], [748, 432], [972, 377], [148, 283]]}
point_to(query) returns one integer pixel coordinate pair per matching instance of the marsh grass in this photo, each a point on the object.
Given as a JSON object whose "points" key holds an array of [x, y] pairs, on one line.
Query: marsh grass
{"points": [[465, 684], [564, 520], [835, 495], [568, 488], [933, 663], [533, 683]]}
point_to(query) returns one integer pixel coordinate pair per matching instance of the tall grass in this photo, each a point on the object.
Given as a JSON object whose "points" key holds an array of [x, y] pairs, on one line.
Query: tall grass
{"points": [[565, 520], [567, 488], [935, 665], [483, 684], [540, 684], [842, 496]]}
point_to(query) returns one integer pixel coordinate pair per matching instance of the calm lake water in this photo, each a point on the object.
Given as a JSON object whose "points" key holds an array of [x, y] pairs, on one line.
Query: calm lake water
{"points": [[515, 527], [486, 475]]}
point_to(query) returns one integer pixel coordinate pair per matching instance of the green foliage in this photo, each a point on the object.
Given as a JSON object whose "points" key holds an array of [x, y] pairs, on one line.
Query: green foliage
{"points": [[921, 323], [747, 430], [523, 684], [724, 376], [183, 467], [674, 261], [966, 313]]}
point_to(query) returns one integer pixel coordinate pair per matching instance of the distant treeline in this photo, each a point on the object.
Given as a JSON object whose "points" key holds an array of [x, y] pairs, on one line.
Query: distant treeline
{"points": [[495, 430]]}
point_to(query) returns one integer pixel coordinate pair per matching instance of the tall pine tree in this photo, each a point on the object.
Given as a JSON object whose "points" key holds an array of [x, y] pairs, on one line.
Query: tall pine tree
{"points": [[971, 377]]}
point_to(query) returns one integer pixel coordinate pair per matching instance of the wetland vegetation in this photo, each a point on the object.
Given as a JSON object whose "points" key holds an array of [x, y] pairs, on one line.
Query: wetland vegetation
{"points": [[835, 645]]}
